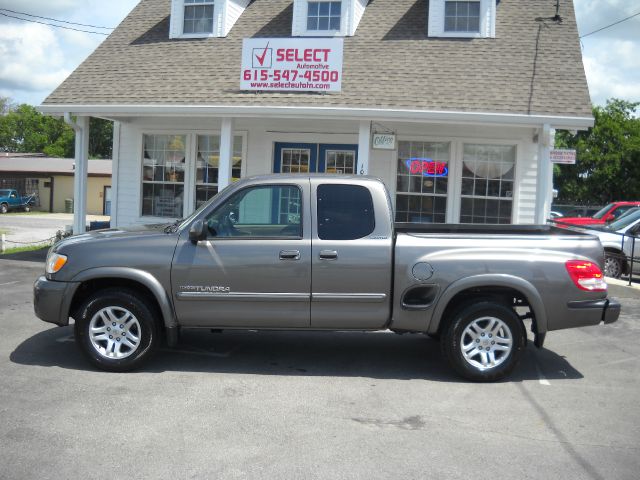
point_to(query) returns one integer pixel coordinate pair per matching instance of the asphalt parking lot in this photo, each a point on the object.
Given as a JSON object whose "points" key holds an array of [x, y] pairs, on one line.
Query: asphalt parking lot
{"points": [[313, 405]]}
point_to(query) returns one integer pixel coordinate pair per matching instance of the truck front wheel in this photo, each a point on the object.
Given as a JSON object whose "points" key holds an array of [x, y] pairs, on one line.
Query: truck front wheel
{"points": [[484, 341], [116, 330], [4, 208]]}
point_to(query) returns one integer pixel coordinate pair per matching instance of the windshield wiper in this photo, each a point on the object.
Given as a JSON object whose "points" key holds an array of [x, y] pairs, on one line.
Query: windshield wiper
{"points": [[172, 227]]}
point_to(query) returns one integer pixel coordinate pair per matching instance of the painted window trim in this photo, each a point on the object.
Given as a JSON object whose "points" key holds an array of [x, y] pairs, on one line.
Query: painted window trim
{"points": [[487, 21], [191, 147], [345, 14], [177, 15]]}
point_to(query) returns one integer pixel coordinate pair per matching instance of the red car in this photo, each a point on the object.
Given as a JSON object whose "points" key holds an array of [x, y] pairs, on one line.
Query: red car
{"points": [[605, 215]]}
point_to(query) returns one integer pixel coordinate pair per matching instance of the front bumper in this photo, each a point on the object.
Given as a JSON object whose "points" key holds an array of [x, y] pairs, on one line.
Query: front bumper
{"points": [[51, 300]]}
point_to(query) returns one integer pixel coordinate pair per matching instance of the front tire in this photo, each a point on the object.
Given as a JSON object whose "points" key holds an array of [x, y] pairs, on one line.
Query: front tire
{"points": [[612, 265], [484, 341], [4, 208], [116, 330], [27, 208]]}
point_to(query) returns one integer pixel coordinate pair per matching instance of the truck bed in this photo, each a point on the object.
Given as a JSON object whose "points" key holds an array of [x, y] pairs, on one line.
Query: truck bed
{"points": [[450, 228]]}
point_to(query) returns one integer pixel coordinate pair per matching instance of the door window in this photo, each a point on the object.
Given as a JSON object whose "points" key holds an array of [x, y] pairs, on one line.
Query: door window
{"points": [[345, 212], [422, 182], [272, 211]]}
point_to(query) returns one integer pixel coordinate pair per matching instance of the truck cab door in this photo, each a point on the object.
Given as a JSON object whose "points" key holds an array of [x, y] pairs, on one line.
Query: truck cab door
{"points": [[254, 268], [351, 258]]}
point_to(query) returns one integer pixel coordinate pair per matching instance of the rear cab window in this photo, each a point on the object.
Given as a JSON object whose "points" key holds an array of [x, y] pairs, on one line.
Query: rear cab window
{"points": [[345, 212]]}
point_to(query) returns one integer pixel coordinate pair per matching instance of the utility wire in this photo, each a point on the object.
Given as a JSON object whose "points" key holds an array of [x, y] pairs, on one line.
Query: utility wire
{"points": [[52, 25], [55, 19], [611, 25]]}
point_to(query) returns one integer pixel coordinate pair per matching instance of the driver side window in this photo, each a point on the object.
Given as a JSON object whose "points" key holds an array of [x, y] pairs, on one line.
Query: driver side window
{"points": [[270, 211]]}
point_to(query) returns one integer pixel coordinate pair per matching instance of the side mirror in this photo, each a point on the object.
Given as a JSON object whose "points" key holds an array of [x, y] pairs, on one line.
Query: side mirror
{"points": [[197, 232]]}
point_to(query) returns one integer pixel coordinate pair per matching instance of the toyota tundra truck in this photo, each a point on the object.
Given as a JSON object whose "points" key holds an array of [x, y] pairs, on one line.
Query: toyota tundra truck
{"points": [[319, 252]]}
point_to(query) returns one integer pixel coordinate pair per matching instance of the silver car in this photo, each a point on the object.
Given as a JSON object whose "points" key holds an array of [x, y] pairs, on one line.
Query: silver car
{"points": [[619, 242]]}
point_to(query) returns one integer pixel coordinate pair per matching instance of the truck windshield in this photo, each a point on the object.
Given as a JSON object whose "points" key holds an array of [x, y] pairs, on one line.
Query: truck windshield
{"points": [[624, 221], [603, 211]]}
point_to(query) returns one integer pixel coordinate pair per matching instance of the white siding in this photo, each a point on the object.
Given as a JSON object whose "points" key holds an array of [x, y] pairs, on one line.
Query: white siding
{"points": [[261, 135], [234, 9], [177, 16], [358, 11]]}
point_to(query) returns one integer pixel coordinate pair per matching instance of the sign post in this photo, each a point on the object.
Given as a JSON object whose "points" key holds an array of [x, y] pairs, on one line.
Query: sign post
{"points": [[292, 64]]}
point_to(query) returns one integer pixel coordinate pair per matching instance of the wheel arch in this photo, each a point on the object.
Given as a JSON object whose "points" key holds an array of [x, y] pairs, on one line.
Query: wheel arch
{"points": [[488, 286], [93, 279]]}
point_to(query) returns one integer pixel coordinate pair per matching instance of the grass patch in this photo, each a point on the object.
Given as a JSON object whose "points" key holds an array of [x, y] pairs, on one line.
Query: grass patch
{"points": [[18, 213], [4, 231], [26, 248]]}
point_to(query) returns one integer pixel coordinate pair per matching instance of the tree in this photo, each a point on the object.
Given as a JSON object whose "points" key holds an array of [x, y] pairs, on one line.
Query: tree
{"points": [[608, 157], [23, 129]]}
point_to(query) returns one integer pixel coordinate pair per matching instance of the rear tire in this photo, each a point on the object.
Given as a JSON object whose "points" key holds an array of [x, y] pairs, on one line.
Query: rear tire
{"points": [[116, 330], [484, 341]]}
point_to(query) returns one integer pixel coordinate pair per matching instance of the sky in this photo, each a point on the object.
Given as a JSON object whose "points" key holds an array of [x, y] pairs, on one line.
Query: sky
{"points": [[35, 58]]}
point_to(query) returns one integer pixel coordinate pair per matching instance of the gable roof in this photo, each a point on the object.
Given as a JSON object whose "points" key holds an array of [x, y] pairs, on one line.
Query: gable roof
{"points": [[532, 67], [38, 164]]}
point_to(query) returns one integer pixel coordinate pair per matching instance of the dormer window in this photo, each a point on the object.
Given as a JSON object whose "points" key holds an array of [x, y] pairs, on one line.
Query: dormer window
{"points": [[466, 19], [323, 16], [462, 17], [198, 17], [204, 18]]}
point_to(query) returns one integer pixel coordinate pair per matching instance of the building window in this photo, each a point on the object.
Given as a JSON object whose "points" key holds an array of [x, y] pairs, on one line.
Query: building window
{"points": [[422, 182], [462, 17], [198, 17], [163, 168], [324, 16], [487, 183], [208, 162], [341, 162]]}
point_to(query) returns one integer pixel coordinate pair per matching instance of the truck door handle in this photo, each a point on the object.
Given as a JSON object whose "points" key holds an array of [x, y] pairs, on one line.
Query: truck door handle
{"points": [[328, 255], [289, 255]]}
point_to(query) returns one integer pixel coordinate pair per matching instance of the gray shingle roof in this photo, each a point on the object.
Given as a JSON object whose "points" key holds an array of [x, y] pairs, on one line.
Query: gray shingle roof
{"points": [[532, 67]]}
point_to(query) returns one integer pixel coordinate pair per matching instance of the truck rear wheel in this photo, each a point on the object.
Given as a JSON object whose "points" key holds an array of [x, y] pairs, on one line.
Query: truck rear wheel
{"points": [[116, 330], [484, 341]]}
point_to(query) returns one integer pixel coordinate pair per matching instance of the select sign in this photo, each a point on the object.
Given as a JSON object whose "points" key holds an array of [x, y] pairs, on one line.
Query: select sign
{"points": [[565, 156]]}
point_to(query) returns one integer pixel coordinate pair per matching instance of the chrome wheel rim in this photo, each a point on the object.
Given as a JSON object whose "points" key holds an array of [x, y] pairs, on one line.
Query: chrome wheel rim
{"points": [[486, 343], [612, 267], [115, 332]]}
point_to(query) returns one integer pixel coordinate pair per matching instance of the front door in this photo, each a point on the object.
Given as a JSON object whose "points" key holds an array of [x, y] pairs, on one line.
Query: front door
{"points": [[315, 158], [254, 269]]}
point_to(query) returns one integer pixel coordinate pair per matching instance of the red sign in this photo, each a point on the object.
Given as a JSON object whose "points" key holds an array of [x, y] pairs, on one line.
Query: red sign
{"points": [[427, 167]]}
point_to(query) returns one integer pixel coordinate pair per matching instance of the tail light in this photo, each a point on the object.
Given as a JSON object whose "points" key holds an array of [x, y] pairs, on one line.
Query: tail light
{"points": [[586, 275]]}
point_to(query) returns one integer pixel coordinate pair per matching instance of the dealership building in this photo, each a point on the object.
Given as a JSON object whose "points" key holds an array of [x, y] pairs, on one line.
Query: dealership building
{"points": [[453, 104]]}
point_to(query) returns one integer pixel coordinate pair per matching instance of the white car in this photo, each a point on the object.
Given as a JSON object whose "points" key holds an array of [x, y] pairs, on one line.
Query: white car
{"points": [[619, 240]]}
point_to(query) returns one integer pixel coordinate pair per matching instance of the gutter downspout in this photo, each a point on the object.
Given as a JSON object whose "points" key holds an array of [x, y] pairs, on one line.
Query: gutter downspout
{"points": [[80, 175]]}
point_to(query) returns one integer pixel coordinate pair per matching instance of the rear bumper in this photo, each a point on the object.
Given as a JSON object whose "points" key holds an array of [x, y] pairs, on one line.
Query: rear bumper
{"points": [[592, 312], [51, 300]]}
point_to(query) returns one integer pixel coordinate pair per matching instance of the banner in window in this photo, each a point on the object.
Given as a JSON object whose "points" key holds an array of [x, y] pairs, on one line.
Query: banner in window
{"points": [[292, 64]]}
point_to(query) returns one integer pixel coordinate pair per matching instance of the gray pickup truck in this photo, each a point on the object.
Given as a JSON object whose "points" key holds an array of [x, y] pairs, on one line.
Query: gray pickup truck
{"points": [[322, 253]]}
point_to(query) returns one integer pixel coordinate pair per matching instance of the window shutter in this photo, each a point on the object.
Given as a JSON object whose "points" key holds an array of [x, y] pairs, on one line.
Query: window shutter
{"points": [[177, 14]]}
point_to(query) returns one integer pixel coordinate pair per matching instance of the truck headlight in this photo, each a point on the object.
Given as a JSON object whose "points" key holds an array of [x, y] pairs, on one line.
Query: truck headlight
{"points": [[55, 262]]}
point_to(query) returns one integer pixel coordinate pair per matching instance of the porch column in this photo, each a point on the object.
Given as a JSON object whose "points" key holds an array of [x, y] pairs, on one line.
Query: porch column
{"points": [[80, 177], [545, 176], [226, 153], [364, 147]]}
